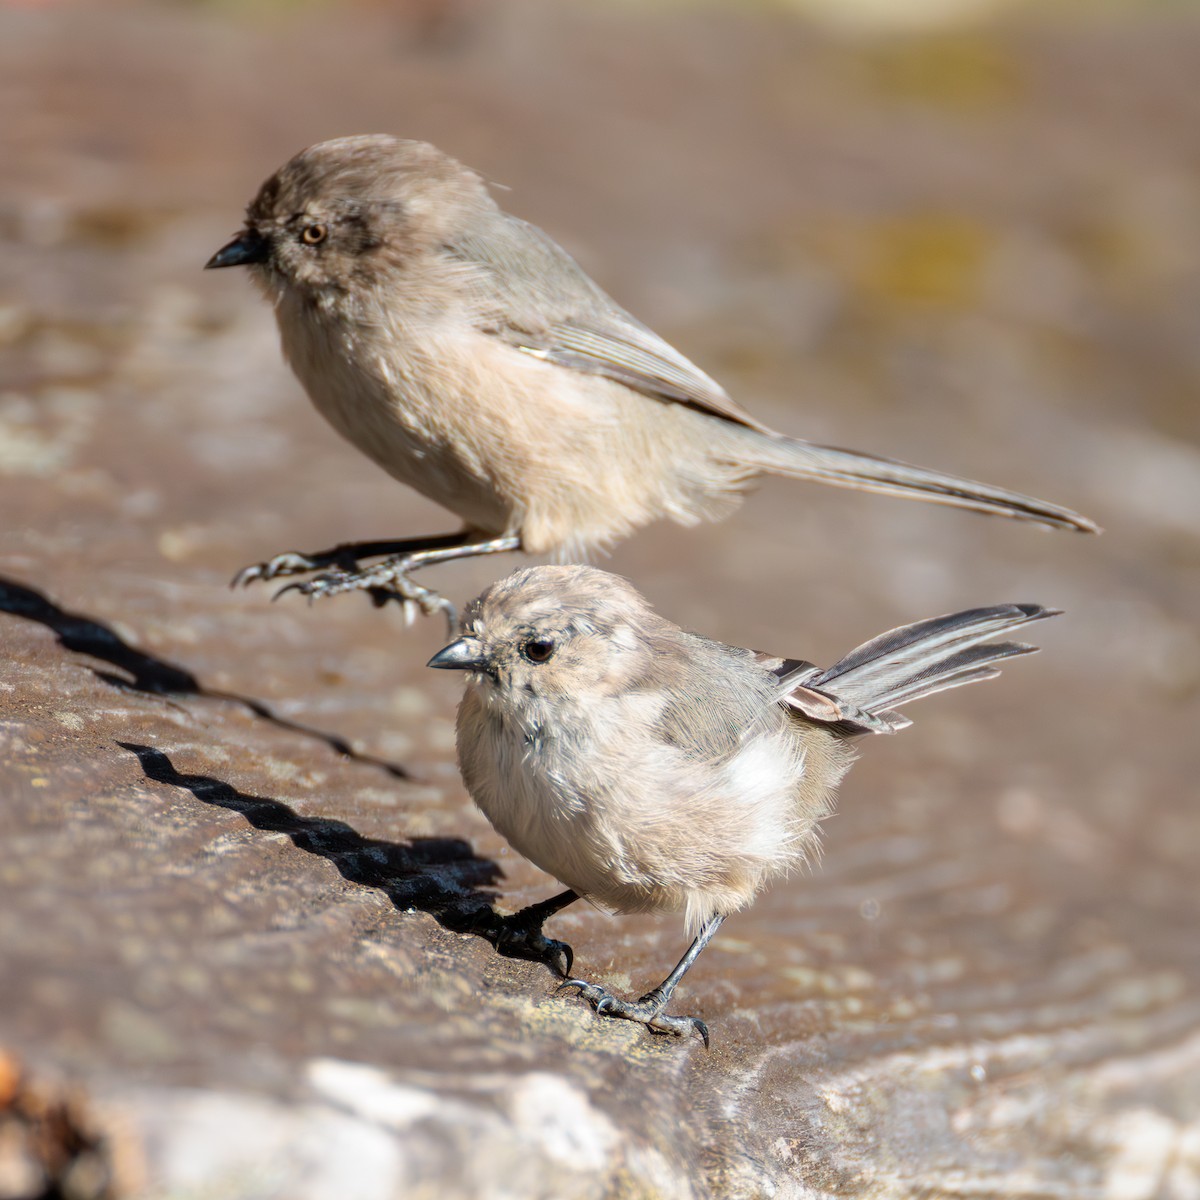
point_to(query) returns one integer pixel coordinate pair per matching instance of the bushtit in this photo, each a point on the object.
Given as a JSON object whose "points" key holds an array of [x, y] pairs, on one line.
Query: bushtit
{"points": [[471, 358], [654, 770]]}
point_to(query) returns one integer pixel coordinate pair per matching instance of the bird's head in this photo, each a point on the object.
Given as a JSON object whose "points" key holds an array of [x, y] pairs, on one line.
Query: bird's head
{"points": [[344, 213], [555, 631]]}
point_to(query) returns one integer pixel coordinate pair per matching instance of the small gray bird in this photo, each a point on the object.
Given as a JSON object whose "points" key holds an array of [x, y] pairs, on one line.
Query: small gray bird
{"points": [[653, 770], [470, 357]]}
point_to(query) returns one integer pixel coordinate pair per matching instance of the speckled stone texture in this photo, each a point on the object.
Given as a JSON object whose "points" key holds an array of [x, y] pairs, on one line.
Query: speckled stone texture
{"points": [[237, 862]]}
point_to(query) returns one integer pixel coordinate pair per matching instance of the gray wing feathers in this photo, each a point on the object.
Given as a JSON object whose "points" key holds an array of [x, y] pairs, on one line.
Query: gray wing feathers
{"points": [[535, 296], [713, 693], [531, 293], [631, 354], [914, 661]]}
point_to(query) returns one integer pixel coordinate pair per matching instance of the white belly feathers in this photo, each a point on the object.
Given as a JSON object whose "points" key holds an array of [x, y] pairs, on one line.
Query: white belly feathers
{"points": [[630, 850]]}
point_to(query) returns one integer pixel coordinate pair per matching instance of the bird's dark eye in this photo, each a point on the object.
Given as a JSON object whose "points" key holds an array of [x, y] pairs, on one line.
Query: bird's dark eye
{"points": [[538, 650], [314, 235]]}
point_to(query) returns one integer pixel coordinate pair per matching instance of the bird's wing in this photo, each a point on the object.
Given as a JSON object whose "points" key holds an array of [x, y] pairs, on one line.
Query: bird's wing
{"points": [[792, 689], [531, 293], [712, 694]]}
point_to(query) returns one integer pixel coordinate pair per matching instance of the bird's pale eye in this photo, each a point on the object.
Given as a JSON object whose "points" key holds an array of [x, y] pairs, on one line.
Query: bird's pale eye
{"points": [[538, 650], [314, 235]]}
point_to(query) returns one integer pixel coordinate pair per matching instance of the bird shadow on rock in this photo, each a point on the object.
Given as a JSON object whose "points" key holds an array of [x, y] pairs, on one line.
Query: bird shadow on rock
{"points": [[150, 675], [440, 876]]}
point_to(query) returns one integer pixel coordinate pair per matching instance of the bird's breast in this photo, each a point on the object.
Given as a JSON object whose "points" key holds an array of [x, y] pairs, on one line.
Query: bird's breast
{"points": [[395, 390]]}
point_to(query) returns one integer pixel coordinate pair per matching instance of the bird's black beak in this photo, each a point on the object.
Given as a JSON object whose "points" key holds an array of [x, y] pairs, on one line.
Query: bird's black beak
{"points": [[248, 247], [466, 654]]}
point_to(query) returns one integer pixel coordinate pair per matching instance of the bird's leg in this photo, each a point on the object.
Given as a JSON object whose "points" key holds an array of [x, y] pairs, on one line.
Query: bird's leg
{"points": [[648, 1010], [519, 935], [390, 579], [345, 557]]}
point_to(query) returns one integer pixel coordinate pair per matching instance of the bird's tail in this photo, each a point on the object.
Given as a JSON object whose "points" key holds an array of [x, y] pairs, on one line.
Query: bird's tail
{"points": [[907, 664], [780, 455]]}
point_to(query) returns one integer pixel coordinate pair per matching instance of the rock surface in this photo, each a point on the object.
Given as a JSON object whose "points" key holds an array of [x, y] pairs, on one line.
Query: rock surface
{"points": [[238, 863]]}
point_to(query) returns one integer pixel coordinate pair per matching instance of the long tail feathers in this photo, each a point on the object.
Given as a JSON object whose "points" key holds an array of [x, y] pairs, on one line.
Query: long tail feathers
{"points": [[908, 664], [798, 459]]}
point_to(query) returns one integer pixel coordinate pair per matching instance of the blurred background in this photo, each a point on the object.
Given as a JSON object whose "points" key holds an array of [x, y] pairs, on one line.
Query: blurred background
{"points": [[959, 232]]}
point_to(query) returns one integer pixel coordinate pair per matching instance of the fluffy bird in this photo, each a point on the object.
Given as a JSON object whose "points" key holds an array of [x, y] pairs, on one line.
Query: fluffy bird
{"points": [[470, 357], [650, 769]]}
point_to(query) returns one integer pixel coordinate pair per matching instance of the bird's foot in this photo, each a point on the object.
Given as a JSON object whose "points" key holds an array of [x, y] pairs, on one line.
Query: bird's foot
{"points": [[647, 1011], [385, 581], [291, 563], [517, 936]]}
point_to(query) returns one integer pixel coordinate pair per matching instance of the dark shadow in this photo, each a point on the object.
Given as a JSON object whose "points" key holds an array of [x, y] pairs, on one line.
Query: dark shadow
{"points": [[439, 876], [150, 675]]}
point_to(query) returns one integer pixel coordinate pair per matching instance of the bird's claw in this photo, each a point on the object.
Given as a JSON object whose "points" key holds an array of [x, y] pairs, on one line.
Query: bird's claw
{"points": [[287, 587], [523, 941], [290, 563], [383, 583], [646, 1011], [589, 991]]}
